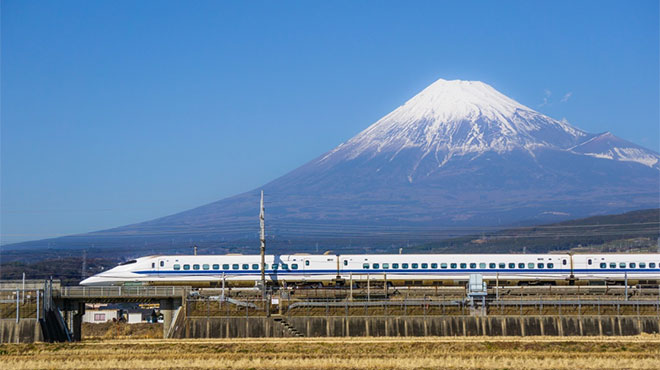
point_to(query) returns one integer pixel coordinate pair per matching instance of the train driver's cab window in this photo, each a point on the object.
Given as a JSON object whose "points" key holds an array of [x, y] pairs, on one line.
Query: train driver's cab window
{"points": [[255, 266], [473, 265], [404, 265], [603, 265], [225, 266], [482, 265], [186, 267], [205, 266], [345, 262], [425, 265], [234, 266], [216, 267], [395, 265], [443, 265], [386, 266], [512, 265], [651, 265], [642, 265], [434, 265], [612, 265], [285, 266], [539, 265], [162, 263], [365, 266], [294, 266], [463, 265], [376, 265], [632, 265], [195, 267], [177, 266], [530, 265], [307, 263], [521, 265], [551, 265]]}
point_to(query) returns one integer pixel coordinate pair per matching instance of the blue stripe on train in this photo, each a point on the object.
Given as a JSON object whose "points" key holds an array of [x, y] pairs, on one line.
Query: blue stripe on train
{"points": [[380, 271]]}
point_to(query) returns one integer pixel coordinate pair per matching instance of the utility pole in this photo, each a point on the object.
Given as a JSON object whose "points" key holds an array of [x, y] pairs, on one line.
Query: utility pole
{"points": [[194, 250], [262, 215], [83, 272]]}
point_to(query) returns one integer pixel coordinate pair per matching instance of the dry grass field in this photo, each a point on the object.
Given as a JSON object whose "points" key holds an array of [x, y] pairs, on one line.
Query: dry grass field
{"points": [[641, 352]]}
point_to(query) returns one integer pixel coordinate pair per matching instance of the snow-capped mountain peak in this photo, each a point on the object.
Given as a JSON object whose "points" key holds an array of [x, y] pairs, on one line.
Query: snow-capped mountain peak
{"points": [[459, 117]]}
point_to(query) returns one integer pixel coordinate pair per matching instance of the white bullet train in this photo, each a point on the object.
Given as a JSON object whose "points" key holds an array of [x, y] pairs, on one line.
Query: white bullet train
{"points": [[394, 269]]}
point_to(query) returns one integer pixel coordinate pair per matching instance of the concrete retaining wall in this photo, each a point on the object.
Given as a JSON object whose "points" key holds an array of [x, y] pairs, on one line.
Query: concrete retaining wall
{"points": [[418, 326], [25, 331]]}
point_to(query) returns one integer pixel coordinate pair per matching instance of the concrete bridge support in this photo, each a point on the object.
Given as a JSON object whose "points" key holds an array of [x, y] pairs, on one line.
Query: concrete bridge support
{"points": [[168, 307]]}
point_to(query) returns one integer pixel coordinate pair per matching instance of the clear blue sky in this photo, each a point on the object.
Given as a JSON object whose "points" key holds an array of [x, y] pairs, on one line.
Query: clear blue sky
{"points": [[115, 112]]}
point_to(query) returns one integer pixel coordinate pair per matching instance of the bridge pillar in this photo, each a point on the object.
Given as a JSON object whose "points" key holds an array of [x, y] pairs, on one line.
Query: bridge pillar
{"points": [[167, 308], [73, 315]]}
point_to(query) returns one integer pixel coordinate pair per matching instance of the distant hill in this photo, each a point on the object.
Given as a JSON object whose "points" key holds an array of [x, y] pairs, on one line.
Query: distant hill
{"points": [[631, 231]]}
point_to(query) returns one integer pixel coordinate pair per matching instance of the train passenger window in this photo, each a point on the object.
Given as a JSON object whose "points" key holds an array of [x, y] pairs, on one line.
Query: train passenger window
{"points": [[395, 265], [425, 265], [307, 263], [345, 262], [551, 265], [365, 266], [265, 266], [453, 265], [162, 263], [492, 265], [443, 265], [234, 266], [376, 265], [255, 266], [632, 265], [539, 265], [404, 265], [530, 265], [274, 266], [186, 267], [512, 265], [603, 265], [177, 267], [414, 265], [294, 266], [285, 266], [434, 265], [386, 265], [612, 265], [502, 265], [651, 265], [216, 267], [225, 266], [482, 265], [463, 265], [195, 267], [246, 266], [521, 265], [642, 265], [205, 266], [622, 265], [473, 265]]}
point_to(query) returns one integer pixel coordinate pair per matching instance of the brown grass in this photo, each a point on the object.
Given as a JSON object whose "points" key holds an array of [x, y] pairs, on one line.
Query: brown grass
{"points": [[640, 352]]}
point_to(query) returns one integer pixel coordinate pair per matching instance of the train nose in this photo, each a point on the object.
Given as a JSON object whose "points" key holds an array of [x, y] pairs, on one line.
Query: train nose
{"points": [[93, 280]]}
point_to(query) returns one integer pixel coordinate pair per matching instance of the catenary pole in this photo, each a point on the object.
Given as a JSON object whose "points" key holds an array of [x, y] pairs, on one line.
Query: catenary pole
{"points": [[263, 246]]}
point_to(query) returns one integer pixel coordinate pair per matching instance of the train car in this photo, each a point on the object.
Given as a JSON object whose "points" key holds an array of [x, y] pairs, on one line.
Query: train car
{"points": [[391, 269]]}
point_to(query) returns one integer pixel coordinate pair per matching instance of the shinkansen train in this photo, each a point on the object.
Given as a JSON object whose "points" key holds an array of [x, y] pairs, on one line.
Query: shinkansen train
{"points": [[392, 269]]}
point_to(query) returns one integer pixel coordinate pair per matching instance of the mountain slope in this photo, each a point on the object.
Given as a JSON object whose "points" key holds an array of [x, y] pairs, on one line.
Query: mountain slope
{"points": [[456, 157]]}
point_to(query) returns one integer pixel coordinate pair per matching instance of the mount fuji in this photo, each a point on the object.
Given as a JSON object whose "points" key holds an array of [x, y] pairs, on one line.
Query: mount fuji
{"points": [[458, 156]]}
